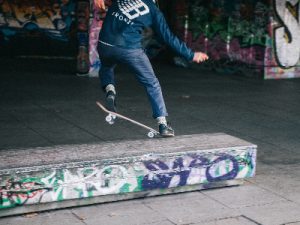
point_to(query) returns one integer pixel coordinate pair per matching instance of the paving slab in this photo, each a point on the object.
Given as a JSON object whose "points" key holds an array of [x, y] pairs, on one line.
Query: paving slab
{"points": [[16, 137], [47, 218], [239, 220], [281, 180], [245, 196], [125, 213], [190, 208], [273, 214]]}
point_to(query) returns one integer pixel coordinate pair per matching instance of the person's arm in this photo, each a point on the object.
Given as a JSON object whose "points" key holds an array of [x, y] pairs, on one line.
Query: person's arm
{"points": [[162, 29], [99, 4]]}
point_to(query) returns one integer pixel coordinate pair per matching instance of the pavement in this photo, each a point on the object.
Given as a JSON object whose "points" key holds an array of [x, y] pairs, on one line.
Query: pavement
{"points": [[42, 103]]}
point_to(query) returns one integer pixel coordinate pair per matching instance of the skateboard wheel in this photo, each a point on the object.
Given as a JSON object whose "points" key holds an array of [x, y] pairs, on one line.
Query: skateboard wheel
{"points": [[150, 134], [108, 118]]}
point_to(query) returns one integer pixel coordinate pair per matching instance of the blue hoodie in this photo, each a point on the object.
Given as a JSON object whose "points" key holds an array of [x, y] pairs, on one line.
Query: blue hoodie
{"points": [[126, 20]]}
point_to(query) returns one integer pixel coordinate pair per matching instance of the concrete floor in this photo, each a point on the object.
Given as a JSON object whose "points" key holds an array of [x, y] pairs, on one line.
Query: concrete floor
{"points": [[42, 103]]}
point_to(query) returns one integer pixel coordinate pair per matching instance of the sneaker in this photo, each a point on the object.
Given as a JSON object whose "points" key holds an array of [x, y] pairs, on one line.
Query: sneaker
{"points": [[166, 131], [111, 101]]}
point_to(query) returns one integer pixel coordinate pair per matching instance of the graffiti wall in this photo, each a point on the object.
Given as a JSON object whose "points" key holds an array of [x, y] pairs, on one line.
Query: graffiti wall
{"points": [[53, 18], [250, 37], [282, 47], [95, 27], [233, 33], [38, 28], [129, 175]]}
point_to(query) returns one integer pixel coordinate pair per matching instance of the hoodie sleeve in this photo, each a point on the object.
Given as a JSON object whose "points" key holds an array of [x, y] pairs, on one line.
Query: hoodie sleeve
{"points": [[162, 29]]}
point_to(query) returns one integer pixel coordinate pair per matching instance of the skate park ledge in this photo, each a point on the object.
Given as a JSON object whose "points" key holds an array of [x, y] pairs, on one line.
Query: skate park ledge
{"points": [[54, 177]]}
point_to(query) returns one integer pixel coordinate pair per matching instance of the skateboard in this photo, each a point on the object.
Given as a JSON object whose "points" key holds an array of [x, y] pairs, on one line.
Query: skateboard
{"points": [[111, 117]]}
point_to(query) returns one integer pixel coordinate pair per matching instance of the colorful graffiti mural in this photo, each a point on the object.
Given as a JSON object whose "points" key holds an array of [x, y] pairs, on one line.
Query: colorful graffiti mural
{"points": [[51, 17], [240, 36], [95, 27], [83, 19], [245, 36], [137, 174], [233, 33], [282, 55], [252, 37]]}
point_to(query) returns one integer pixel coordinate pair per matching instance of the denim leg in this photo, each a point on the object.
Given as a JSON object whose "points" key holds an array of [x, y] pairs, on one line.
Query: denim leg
{"points": [[106, 73], [108, 64], [141, 66]]}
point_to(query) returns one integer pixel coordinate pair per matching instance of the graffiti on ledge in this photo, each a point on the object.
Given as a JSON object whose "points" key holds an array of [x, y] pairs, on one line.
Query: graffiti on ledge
{"points": [[136, 176]]}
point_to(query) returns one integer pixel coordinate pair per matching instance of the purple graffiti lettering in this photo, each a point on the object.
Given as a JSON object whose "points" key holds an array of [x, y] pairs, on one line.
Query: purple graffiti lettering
{"points": [[228, 176], [155, 165], [198, 161], [183, 173], [161, 178]]}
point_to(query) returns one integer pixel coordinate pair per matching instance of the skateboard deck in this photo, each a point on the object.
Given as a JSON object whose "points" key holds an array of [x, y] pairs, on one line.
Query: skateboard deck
{"points": [[110, 118]]}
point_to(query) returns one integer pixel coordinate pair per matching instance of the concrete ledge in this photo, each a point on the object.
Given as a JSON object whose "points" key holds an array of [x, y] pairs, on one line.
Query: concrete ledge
{"points": [[64, 176]]}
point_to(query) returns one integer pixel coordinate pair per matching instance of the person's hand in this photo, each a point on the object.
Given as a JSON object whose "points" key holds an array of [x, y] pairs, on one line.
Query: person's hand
{"points": [[99, 4], [200, 57]]}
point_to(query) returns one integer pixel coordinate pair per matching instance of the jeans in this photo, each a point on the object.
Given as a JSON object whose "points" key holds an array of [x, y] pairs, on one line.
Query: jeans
{"points": [[139, 63]]}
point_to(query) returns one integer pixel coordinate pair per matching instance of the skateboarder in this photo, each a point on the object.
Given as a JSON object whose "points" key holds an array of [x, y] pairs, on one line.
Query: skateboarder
{"points": [[120, 42]]}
